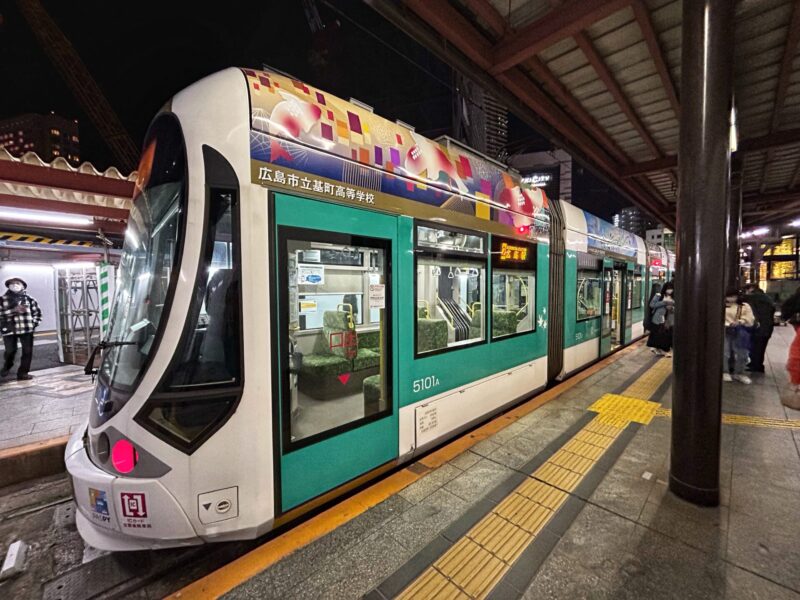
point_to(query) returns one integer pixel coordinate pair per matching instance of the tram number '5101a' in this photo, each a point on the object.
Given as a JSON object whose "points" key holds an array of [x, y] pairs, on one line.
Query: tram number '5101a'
{"points": [[426, 383]]}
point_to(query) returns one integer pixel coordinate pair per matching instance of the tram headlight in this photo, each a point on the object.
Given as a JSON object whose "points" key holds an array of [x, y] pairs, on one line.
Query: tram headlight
{"points": [[124, 456]]}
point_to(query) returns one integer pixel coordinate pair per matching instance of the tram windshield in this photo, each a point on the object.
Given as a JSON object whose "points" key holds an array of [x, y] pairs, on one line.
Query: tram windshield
{"points": [[150, 251]]}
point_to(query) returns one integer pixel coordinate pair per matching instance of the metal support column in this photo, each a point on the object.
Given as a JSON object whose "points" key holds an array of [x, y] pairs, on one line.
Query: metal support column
{"points": [[734, 225], [703, 163]]}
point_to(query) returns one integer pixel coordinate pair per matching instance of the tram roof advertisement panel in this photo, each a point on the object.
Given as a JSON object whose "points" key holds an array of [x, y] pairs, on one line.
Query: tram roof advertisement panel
{"points": [[588, 233], [610, 238], [305, 140]]}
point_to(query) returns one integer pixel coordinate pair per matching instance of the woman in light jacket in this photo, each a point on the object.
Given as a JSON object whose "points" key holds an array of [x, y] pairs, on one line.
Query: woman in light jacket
{"points": [[739, 319], [662, 307]]}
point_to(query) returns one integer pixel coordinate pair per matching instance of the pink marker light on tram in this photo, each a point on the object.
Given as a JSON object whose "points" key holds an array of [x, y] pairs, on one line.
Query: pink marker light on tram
{"points": [[124, 456]]}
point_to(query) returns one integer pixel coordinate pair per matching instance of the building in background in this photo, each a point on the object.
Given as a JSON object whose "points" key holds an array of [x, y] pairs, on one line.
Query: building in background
{"points": [[660, 235], [634, 220], [479, 119], [49, 136]]}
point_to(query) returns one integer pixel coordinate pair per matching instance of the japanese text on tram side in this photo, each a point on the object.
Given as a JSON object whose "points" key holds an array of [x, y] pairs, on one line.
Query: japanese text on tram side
{"points": [[314, 185]]}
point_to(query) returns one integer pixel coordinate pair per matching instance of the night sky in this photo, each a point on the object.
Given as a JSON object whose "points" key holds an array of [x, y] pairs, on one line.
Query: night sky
{"points": [[142, 53]]}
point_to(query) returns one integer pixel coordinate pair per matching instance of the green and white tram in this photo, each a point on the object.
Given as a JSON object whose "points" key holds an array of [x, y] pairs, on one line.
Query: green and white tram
{"points": [[310, 295]]}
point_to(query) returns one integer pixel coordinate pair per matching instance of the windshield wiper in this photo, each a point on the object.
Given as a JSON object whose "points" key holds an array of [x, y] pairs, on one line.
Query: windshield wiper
{"points": [[89, 369]]}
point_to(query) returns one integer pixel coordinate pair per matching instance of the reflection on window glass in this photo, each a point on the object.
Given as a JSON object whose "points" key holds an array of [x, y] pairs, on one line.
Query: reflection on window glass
{"points": [[149, 255], [590, 292], [450, 296], [210, 356], [444, 239], [337, 330], [637, 290], [512, 302], [628, 292]]}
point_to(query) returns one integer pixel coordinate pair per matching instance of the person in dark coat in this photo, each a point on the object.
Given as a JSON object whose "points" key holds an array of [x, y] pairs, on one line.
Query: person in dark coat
{"points": [[20, 315], [764, 310], [662, 305]]}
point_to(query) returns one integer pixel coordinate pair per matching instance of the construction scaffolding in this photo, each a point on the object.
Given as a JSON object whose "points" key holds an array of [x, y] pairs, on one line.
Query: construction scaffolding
{"points": [[78, 302]]}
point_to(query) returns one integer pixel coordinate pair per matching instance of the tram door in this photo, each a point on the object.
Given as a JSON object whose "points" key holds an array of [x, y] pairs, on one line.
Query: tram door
{"points": [[336, 408], [606, 326], [619, 304]]}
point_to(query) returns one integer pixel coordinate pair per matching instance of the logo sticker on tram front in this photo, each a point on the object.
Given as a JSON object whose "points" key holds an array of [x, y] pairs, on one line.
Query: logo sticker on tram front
{"points": [[98, 504], [134, 510]]}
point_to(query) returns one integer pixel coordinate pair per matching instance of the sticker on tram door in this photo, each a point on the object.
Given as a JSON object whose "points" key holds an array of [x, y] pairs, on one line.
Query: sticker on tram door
{"points": [[134, 510], [98, 504]]}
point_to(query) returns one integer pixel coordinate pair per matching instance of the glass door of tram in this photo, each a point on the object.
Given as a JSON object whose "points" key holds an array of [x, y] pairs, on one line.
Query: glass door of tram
{"points": [[336, 408], [606, 325], [618, 304]]}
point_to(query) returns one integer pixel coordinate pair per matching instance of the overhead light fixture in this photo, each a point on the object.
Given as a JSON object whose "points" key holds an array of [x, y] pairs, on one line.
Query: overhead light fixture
{"points": [[734, 134], [761, 231], [795, 223], [33, 216]]}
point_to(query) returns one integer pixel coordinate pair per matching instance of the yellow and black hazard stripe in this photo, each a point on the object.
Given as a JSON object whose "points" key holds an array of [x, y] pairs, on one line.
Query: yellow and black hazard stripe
{"points": [[37, 239]]}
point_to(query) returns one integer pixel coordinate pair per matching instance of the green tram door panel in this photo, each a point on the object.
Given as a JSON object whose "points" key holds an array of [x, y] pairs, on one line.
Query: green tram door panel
{"points": [[606, 314], [336, 408]]}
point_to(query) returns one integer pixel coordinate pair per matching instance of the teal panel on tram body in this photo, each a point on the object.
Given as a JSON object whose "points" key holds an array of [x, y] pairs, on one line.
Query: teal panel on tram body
{"points": [[629, 314], [312, 470], [575, 331], [460, 366]]}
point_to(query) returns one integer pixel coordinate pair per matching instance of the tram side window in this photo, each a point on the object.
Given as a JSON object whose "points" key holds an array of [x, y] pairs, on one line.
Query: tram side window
{"points": [[590, 294], [638, 283], [513, 287], [451, 280], [210, 354]]}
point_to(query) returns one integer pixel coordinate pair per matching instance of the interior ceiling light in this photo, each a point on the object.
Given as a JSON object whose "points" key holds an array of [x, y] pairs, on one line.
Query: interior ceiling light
{"points": [[795, 223], [33, 216], [761, 231]]}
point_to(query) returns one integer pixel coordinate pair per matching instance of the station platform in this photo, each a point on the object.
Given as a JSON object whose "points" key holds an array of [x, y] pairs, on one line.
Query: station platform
{"points": [[48, 406], [564, 496]]}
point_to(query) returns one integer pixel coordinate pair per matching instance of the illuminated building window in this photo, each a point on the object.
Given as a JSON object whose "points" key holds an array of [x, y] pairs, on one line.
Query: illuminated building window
{"points": [[762, 271], [783, 269]]}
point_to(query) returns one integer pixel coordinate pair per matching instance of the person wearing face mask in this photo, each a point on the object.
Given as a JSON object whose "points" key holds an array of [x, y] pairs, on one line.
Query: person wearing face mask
{"points": [[662, 307], [19, 316], [739, 319]]}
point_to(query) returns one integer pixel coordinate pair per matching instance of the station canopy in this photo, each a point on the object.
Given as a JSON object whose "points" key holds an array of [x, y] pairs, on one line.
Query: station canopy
{"points": [[601, 78], [54, 210]]}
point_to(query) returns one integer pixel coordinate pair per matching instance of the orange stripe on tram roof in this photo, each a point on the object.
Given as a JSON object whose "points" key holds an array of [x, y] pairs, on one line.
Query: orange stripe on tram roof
{"points": [[247, 566]]}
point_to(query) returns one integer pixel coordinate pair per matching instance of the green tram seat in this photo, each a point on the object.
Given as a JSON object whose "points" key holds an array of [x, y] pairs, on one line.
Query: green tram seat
{"points": [[339, 350], [431, 335]]}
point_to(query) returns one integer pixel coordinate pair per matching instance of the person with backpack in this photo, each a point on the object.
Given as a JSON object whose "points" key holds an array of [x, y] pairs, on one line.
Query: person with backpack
{"points": [[662, 305], [739, 320], [648, 313], [764, 310]]}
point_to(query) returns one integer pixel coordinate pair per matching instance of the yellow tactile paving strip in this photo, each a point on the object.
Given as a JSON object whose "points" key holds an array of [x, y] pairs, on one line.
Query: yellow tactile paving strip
{"points": [[647, 385], [474, 564], [626, 408], [732, 419]]}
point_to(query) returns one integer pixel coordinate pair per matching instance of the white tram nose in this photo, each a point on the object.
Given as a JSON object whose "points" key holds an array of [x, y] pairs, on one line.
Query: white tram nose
{"points": [[118, 513]]}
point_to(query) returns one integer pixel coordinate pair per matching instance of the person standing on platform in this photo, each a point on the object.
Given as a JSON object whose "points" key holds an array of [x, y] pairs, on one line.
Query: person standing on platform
{"points": [[739, 319], [764, 310], [790, 312], [662, 306], [20, 315]]}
